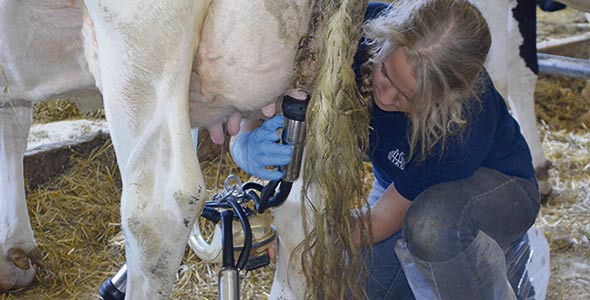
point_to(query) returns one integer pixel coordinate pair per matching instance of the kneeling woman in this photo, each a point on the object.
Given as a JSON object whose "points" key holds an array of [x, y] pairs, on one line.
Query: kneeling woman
{"points": [[454, 175]]}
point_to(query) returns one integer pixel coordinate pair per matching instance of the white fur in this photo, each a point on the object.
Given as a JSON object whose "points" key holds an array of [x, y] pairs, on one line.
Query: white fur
{"points": [[141, 54], [15, 226], [289, 280], [41, 52]]}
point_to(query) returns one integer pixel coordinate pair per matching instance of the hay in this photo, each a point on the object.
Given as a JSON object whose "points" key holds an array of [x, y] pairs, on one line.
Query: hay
{"points": [[565, 217], [55, 110], [62, 109], [560, 103], [73, 217], [560, 24], [76, 222]]}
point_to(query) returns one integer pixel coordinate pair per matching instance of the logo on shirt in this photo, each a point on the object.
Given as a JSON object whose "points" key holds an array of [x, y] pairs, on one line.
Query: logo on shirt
{"points": [[398, 158]]}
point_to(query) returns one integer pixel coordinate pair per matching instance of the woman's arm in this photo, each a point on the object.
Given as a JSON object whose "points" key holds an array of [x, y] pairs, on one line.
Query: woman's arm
{"points": [[387, 216]]}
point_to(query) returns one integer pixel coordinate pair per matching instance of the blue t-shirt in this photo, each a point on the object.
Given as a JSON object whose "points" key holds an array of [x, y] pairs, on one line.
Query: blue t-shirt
{"points": [[490, 139]]}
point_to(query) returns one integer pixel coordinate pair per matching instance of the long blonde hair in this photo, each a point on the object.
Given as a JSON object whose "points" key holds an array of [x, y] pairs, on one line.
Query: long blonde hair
{"points": [[446, 42]]}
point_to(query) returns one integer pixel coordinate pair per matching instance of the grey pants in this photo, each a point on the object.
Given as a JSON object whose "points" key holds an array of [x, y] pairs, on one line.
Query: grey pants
{"points": [[446, 218]]}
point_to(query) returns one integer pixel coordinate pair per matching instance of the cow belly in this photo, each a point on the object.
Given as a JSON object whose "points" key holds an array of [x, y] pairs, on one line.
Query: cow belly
{"points": [[41, 54], [246, 56]]}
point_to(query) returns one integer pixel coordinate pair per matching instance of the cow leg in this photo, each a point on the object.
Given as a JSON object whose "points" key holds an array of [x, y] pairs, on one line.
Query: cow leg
{"points": [[145, 51], [18, 250], [512, 66], [522, 105], [289, 280], [522, 78]]}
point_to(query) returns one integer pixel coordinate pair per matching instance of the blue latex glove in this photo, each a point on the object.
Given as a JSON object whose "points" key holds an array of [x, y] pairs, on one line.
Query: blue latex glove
{"points": [[254, 151]]}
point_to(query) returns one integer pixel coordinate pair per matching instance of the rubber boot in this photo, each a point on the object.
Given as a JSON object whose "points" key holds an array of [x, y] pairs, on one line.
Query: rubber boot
{"points": [[479, 272]]}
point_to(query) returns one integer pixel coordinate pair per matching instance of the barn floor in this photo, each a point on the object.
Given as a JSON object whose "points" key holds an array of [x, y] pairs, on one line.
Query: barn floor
{"points": [[563, 110], [76, 216], [564, 217]]}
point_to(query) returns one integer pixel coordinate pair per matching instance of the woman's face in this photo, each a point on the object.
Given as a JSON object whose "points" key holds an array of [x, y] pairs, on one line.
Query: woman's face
{"points": [[393, 82]]}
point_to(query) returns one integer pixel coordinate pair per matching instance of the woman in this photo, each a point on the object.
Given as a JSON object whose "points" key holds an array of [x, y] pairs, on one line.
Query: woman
{"points": [[451, 166], [454, 180]]}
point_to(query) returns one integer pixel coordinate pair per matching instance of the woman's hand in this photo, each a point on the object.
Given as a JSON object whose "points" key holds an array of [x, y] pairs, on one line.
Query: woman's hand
{"points": [[255, 150]]}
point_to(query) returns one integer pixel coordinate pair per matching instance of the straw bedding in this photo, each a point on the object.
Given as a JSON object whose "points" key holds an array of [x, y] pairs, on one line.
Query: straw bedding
{"points": [[565, 218]]}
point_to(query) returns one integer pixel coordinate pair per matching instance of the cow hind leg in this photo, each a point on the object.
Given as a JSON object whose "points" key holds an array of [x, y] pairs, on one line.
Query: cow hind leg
{"points": [[289, 279], [523, 107], [18, 250], [522, 78], [144, 72]]}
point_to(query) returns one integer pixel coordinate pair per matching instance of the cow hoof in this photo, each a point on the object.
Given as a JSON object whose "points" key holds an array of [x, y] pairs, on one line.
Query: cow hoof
{"points": [[545, 190], [17, 268], [545, 186]]}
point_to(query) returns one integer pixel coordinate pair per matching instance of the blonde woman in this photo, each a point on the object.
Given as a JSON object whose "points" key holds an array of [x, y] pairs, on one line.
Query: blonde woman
{"points": [[455, 186]]}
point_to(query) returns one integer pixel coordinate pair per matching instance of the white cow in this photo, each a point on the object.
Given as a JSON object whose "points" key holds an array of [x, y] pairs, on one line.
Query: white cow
{"points": [[146, 57]]}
